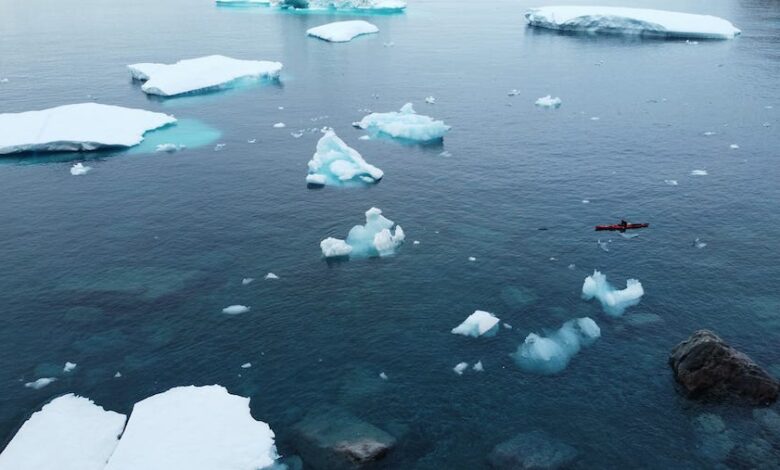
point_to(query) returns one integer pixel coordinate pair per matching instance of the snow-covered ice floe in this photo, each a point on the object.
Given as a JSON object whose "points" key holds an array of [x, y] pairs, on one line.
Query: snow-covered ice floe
{"points": [[342, 31], [614, 301], [551, 354], [77, 127], [69, 433], [479, 323], [548, 102], [639, 21], [375, 238], [384, 6], [405, 124], [201, 74], [337, 164], [194, 428]]}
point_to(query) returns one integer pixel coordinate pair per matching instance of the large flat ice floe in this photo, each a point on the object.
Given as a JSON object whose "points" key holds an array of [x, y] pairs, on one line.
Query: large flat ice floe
{"points": [[639, 21], [343, 31], [479, 323], [370, 240], [386, 6], [405, 124], [337, 164], [201, 74], [194, 428], [70, 433], [614, 301], [77, 127], [551, 354]]}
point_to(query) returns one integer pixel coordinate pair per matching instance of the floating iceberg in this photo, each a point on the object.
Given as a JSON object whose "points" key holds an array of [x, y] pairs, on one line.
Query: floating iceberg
{"points": [[342, 31], [78, 169], [373, 239], [337, 164], [699, 173], [548, 102], [479, 367], [201, 74], [460, 367], [386, 6], [618, 20], [479, 323], [77, 127], [69, 433], [69, 366], [194, 428], [405, 124], [271, 276], [235, 309], [614, 301], [551, 354], [40, 383]]}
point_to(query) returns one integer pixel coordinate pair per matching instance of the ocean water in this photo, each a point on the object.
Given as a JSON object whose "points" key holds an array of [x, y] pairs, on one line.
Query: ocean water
{"points": [[128, 268]]}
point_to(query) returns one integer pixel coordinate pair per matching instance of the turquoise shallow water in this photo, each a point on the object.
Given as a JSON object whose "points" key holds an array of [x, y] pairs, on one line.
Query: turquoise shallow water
{"points": [[128, 268]]}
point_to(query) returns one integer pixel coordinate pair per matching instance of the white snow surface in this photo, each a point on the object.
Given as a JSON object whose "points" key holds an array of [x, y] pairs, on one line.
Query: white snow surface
{"points": [[69, 433], [342, 31], [337, 164], [479, 323], [405, 124], [552, 353], [614, 301], [640, 21], [200, 74], [375, 238], [194, 428], [77, 127]]}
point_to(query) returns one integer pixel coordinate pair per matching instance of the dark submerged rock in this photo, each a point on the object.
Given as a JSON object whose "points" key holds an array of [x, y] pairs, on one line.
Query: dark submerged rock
{"points": [[707, 368], [532, 450]]}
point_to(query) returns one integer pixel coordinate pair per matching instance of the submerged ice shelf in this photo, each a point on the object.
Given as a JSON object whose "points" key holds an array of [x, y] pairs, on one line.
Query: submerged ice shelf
{"points": [[552, 353], [201, 74], [342, 31], [405, 124], [375, 238], [337, 164], [638, 21], [77, 127]]}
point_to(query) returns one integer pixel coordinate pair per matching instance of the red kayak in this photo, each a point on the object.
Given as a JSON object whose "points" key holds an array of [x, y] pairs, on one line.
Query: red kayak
{"points": [[600, 228]]}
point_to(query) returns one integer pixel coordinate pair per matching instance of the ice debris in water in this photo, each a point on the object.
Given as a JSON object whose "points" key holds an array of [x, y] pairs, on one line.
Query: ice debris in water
{"points": [[117, 375], [246, 365], [632, 21], [430, 100], [552, 353], [416, 242], [628, 236], [200, 74], [478, 367], [235, 309], [271, 276], [251, 141], [513, 92], [548, 102], [383, 376], [460, 367], [479, 323], [337, 164], [699, 244], [507, 326], [671, 182], [219, 147], [445, 154], [733, 146], [604, 245], [406, 124], [78, 169], [77, 127], [247, 280], [710, 133], [699, 173], [280, 125], [169, 148], [375, 238], [614, 301], [69, 366], [342, 31], [40, 383], [69, 433], [471, 258]]}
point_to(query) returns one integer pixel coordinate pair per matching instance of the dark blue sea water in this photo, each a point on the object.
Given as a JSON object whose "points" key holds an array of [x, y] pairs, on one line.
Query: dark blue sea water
{"points": [[128, 268]]}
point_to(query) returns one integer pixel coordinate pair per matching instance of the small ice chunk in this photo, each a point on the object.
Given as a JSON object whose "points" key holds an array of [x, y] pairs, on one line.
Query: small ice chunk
{"points": [[595, 118], [671, 182], [507, 326], [699, 244], [586, 201], [614, 301], [337, 164], [335, 248], [513, 92], [271, 276], [4, 80], [219, 147], [548, 102], [375, 238], [169, 148], [342, 31], [604, 245], [479, 323], [247, 280], [733, 146], [280, 125], [699, 173], [78, 169], [631, 21], [460, 368], [40, 383], [710, 133], [117, 375], [200, 74], [235, 309], [478, 367], [416, 242], [552, 353], [383, 376], [69, 433], [471, 258], [430, 100], [69, 366], [405, 124], [246, 365]]}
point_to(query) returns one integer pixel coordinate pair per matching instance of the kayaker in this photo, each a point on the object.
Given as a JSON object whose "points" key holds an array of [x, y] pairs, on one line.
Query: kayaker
{"points": [[623, 223]]}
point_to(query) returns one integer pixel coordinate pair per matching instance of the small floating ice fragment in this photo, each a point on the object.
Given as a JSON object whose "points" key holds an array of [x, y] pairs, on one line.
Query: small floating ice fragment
{"points": [[613, 301], [471, 258], [733, 146], [169, 148], [342, 31], [337, 164], [710, 133], [280, 125], [430, 100], [251, 141], [78, 169], [513, 92], [247, 280], [604, 245], [460, 368], [406, 124], [69, 366], [671, 182], [271, 276], [699, 173], [40, 383], [416, 242], [479, 323], [117, 375], [699, 244], [478, 367], [246, 365], [548, 102], [383, 376], [235, 309]]}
